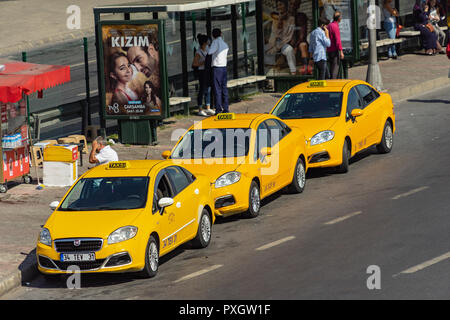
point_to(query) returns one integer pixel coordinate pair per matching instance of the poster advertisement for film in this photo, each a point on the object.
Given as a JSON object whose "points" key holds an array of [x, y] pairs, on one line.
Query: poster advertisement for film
{"points": [[132, 70], [287, 28], [327, 8], [287, 24]]}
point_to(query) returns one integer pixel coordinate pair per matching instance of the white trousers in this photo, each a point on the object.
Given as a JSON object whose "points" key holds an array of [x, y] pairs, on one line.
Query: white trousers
{"points": [[288, 52]]}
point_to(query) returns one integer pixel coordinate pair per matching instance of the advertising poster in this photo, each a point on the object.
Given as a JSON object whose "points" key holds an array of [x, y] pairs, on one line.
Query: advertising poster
{"points": [[132, 72], [327, 8], [287, 24]]}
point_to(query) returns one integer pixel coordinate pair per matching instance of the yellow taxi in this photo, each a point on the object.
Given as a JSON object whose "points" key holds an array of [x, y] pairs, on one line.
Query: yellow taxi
{"points": [[339, 118], [122, 216], [246, 156]]}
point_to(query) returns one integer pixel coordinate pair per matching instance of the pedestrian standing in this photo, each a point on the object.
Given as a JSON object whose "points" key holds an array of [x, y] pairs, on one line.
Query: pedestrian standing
{"points": [[390, 25], [204, 90], [319, 42], [335, 52], [219, 51]]}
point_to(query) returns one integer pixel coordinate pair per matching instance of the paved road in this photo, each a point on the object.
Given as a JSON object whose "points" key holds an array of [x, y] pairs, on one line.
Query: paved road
{"points": [[390, 211]]}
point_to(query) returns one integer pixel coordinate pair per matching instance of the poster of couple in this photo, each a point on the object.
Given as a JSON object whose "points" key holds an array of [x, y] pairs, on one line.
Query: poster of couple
{"points": [[132, 70]]}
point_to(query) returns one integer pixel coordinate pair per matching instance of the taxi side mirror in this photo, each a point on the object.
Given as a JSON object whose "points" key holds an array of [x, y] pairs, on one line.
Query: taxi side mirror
{"points": [[166, 154], [54, 205], [165, 202], [357, 113]]}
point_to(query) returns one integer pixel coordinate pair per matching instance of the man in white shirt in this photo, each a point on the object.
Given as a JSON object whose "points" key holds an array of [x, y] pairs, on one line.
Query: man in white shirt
{"points": [[219, 52], [102, 153]]}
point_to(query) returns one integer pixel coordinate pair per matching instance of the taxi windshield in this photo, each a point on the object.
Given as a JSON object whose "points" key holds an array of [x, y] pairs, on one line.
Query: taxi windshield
{"points": [[112, 193], [309, 105], [213, 143]]}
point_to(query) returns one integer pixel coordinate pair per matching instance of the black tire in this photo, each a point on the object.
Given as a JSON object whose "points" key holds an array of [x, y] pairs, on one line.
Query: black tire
{"points": [[3, 188], [151, 259], [204, 231], [254, 201], [27, 179], [343, 168], [387, 140], [299, 179]]}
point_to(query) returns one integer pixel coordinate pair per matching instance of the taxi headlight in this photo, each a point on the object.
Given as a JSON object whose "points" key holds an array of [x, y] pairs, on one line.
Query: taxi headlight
{"points": [[227, 179], [45, 238], [322, 137], [122, 234]]}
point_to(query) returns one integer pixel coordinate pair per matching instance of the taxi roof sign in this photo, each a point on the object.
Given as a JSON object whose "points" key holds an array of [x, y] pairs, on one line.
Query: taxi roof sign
{"points": [[118, 165], [225, 116], [317, 84]]}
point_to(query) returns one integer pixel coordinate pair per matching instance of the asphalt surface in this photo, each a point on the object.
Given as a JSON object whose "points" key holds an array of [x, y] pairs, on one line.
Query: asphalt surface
{"points": [[388, 213]]}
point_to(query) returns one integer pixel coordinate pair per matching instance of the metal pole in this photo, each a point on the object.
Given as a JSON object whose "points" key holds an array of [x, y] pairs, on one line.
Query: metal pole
{"points": [[373, 70], [100, 85], [259, 37], [234, 41], [208, 23], [24, 59], [194, 31], [244, 37], [184, 68], [88, 87]]}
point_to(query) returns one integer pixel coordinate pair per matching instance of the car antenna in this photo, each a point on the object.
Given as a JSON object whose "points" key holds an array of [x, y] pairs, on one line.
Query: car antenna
{"points": [[146, 155]]}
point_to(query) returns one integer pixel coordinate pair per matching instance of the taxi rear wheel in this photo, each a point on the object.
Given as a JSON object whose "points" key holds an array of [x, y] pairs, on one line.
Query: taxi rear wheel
{"points": [[151, 259], [387, 139], [254, 201], [203, 237], [299, 180], [343, 168]]}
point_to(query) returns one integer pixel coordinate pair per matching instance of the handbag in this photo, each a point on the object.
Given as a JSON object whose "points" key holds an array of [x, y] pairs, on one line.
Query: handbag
{"points": [[448, 50], [430, 27], [399, 28]]}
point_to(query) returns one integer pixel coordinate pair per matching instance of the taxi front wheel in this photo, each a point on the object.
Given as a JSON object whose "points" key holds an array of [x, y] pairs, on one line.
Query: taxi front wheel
{"points": [[254, 201], [203, 237], [299, 180], [343, 168], [387, 139], [151, 259]]}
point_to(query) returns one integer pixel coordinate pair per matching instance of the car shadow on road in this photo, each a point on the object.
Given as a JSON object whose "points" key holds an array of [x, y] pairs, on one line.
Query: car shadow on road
{"points": [[429, 101]]}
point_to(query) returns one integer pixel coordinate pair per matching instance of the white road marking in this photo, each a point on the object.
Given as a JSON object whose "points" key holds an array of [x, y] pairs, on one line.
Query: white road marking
{"points": [[275, 243], [343, 218], [426, 264], [199, 273], [409, 193]]}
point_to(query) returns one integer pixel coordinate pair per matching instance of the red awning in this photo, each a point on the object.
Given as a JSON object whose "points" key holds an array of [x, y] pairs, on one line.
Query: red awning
{"points": [[23, 77]]}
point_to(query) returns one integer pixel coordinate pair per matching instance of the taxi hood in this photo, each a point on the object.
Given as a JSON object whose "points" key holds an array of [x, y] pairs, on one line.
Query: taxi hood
{"points": [[312, 126], [211, 168], [91, 224]]}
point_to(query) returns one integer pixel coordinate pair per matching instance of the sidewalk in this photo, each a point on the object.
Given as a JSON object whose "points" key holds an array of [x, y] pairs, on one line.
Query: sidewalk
{"points": [[24, 208]]}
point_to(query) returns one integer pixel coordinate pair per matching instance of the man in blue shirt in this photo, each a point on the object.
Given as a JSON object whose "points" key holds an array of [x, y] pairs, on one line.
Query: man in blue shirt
{"points": [[318, 44]]}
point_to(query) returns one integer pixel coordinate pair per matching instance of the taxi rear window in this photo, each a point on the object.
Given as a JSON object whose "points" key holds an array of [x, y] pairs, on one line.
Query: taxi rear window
{"points": [[213, 143], [309, 105], [111, 193]]}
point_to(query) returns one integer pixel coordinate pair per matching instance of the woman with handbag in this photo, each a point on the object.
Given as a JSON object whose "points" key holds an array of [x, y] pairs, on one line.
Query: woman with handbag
{"points": [[429, 38]]}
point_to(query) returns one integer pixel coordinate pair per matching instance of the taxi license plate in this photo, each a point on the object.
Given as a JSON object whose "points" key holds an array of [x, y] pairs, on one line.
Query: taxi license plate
{"points": [[73, 257]]}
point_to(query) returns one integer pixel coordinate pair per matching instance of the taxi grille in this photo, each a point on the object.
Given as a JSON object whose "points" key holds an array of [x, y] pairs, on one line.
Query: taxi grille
{"points": [[85, 265], [85, 245]]}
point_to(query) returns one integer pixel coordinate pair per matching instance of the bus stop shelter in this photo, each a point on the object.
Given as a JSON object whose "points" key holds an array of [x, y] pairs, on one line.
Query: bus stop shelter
{"points": [[189, 18], [249, 55]]}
